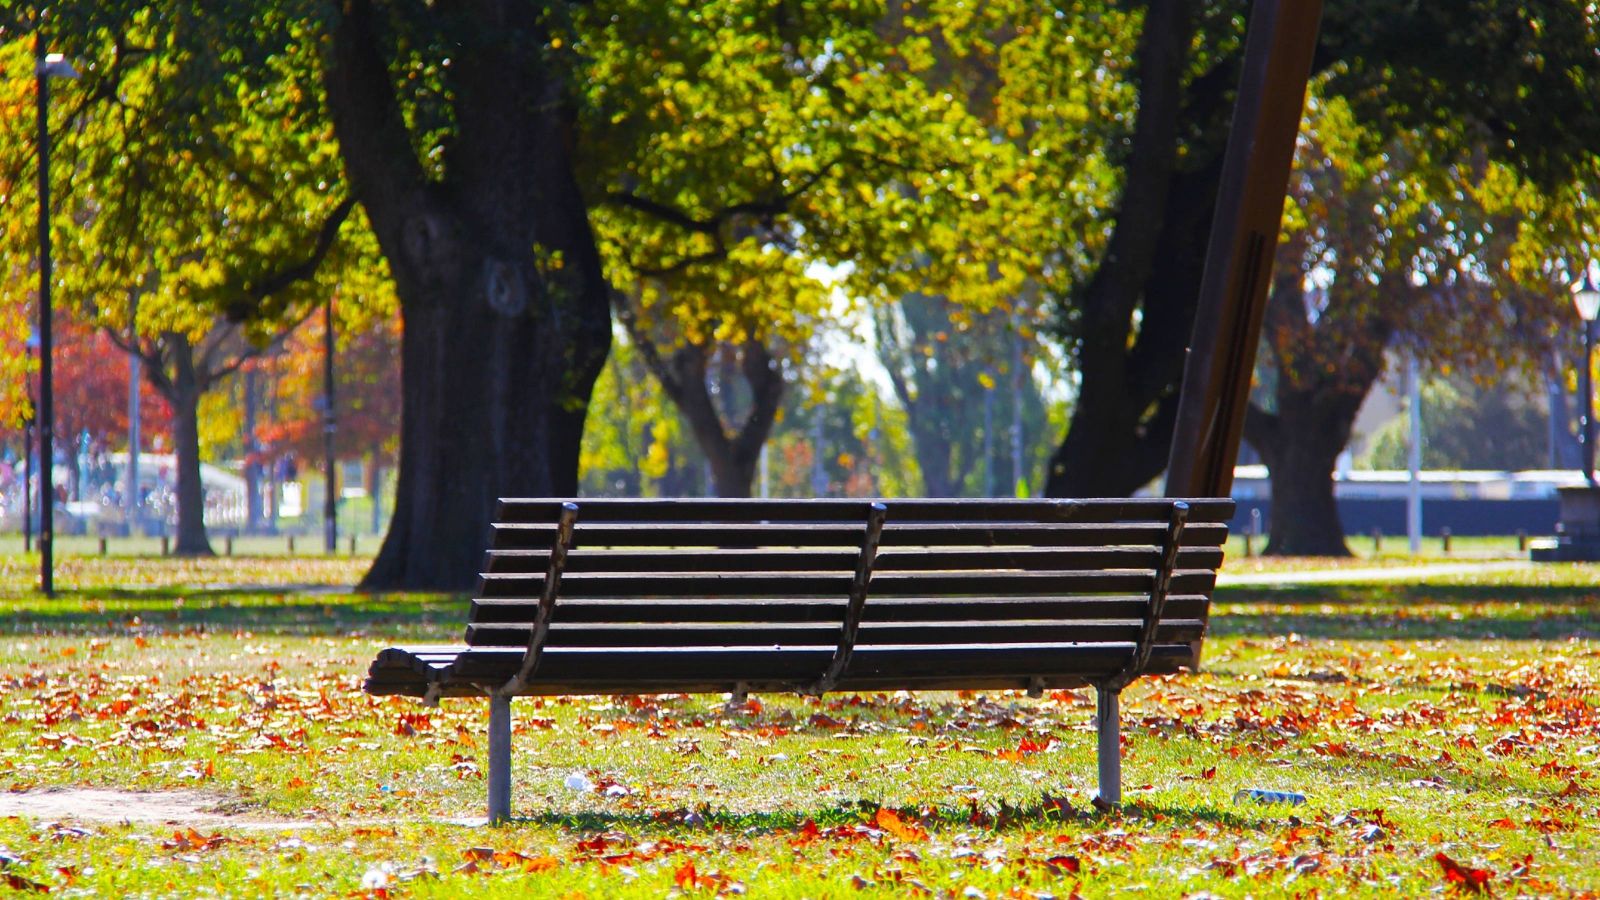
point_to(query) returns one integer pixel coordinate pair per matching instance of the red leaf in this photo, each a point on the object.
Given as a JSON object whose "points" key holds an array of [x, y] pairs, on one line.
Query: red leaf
{"points": [[18, 883], [808, 832], [1473, 881], [1064, 863]]}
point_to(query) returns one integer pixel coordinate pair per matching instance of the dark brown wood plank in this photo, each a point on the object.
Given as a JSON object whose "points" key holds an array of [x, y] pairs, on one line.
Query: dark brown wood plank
{"points": [[744, 584], [733, 609], [1069, 535], [1006, 631], [648, 664], [770, 560], [716, 534], [893, 584], [888, 609], [926, 609], [1115, 509], [699, 584], [892, 661], [652, 634], [1098, 511], [541, 537], [995, 559], [612, 510], [758, 559]]}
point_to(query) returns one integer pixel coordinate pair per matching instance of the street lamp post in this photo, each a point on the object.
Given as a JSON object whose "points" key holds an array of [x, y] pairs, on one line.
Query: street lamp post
{"points": [[1587, 299], [46, 66]]}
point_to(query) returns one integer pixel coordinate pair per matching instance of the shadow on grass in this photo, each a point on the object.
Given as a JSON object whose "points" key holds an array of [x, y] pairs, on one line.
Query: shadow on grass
{"points": [[1410, 612], [982, 817], [1365, 612], [282, 611]]}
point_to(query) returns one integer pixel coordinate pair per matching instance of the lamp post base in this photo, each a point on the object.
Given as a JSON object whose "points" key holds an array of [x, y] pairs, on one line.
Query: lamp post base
{"points": [[1579, 538]]}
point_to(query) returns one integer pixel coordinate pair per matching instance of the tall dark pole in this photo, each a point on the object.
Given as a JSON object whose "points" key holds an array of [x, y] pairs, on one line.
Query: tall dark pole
{"points": [[47, 412], [1588, 401], [1279, 44], [330, 508]]}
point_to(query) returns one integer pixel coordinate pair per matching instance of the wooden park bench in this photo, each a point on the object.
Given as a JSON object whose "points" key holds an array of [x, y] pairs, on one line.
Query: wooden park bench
{"points": [[811, 596]]}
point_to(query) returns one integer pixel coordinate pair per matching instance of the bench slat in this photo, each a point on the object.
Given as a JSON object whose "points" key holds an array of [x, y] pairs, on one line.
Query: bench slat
{"points": [[540, 537], [588, 672], [844, 559], [1021, 658], [921, 609], [668, 663], [701, 634], [1117, 509], [1193, 606], [688, 634], [731, 609], [810, 584]]}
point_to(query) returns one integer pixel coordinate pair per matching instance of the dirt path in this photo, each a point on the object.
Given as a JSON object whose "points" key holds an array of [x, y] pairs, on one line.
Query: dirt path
{"points": [[177, 808]]}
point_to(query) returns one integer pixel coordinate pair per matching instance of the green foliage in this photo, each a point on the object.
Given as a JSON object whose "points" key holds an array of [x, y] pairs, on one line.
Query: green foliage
{"points": [[634, 442], [959, 375], [1466, 425], [1514, 80]]}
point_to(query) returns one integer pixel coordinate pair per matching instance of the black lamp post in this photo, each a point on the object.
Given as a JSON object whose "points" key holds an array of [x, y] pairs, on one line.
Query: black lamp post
{"points": [[1587, 299], [46, 66]]}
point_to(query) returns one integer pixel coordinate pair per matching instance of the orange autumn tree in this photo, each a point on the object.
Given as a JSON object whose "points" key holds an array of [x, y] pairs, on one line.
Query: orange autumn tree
{"points": [[366, 394], [91, 383], [91, 387]]}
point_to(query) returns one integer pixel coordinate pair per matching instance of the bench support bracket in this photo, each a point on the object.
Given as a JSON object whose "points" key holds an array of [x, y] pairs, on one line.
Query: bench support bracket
{"points": [[499, 758], [1109, 731]]}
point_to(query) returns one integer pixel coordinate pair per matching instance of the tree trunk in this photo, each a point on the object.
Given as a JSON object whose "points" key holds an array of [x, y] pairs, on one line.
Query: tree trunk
{"points": [[184, 398], [733, 459], [490, 409], [1305, 517], [501, 291], [933, 445], [1119, 434]]}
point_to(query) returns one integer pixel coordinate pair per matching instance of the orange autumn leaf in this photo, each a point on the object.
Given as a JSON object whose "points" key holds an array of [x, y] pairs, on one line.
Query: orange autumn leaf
{"points": [[890, 821], [1466, 878]]}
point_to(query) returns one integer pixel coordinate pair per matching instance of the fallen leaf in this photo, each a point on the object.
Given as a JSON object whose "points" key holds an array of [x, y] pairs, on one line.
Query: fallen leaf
{"points": [[1474, 881]]}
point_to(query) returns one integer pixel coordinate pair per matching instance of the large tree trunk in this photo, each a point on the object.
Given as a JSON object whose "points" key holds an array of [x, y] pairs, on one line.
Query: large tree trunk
{"points": [[1117, 438], [500, 285], [493, 406], [1301, 446], [184, 398]]}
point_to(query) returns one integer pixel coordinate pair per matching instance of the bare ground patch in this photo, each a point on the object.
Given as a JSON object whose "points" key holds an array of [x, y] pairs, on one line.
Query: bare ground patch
{"points": [[184, 808]]}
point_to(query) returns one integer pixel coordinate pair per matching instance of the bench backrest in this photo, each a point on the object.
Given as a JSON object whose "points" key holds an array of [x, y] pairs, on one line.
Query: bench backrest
{"points": [[848, 594]]}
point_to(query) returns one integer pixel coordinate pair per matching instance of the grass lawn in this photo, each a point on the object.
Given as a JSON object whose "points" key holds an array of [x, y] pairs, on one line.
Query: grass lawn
{"points": [[1447, 736]]}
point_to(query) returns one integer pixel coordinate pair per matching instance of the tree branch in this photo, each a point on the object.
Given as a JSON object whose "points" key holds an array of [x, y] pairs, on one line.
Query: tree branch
{"points": [[647, 347], [298, 271]]}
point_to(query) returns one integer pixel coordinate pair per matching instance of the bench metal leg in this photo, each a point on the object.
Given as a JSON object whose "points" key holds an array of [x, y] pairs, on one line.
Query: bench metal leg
{"points": [[499, 759], [1110, 746]]}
